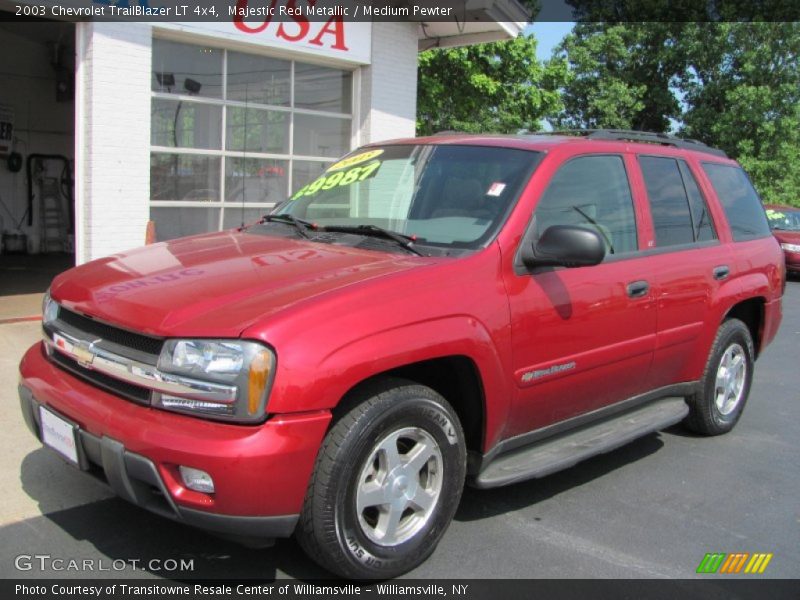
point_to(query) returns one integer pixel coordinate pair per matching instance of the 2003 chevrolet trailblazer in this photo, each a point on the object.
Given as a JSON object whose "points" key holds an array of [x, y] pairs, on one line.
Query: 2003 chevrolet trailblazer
{"points": [[427, 312]]}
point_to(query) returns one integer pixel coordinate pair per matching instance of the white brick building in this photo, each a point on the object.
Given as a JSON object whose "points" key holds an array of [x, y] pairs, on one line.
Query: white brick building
{"points": [[200, 126]]}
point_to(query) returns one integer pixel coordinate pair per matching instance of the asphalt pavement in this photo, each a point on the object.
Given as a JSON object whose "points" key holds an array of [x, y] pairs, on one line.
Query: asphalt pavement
{"points": [[652, 509]]}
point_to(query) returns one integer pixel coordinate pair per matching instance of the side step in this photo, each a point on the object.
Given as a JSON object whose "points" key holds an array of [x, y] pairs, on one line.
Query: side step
{"points": [[562, 451]]}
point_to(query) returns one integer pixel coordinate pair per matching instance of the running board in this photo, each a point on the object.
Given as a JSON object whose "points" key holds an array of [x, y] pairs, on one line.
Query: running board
{"points": [[557, 453]]}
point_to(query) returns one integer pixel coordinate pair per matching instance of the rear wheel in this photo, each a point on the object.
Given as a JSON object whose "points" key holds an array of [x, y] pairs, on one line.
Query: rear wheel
{"points": [[725, 385], [386, 484]]}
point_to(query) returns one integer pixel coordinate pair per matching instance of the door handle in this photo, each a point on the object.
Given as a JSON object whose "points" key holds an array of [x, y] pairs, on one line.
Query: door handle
{"points": [[721, 272], [638, 289]]}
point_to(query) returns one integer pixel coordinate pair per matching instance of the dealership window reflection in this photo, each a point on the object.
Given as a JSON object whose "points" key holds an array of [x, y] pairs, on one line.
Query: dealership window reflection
{"points": [[233, 133]]}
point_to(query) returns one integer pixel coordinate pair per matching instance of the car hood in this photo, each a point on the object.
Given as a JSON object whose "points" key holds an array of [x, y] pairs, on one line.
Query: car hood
{"points": [[216, 285], [787, 237]]}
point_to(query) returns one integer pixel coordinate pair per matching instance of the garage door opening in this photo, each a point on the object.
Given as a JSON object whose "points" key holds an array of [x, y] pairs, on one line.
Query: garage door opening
{"points": [[37, 146]]}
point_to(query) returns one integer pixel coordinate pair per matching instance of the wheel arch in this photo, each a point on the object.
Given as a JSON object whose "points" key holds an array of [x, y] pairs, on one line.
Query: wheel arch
{"points": [[455, 377], [751, 313]]}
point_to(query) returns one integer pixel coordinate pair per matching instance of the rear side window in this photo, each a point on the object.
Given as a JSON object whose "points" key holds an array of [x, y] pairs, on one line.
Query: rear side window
{"points": [[739, 200], [669, 205], [680, 215], [591, 192]]}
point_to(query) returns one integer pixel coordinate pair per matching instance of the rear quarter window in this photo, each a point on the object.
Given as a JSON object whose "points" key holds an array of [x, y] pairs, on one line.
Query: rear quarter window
{"points": [[739, 200]]}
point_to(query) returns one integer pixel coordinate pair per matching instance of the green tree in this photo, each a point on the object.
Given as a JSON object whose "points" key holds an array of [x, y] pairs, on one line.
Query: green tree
{"points": [[742, 91], [621, 76], [674, 11], [493, 87], [735, 86]]}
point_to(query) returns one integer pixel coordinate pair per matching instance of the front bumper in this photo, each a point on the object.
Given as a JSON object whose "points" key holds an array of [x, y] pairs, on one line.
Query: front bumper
{"points": [[260, 472]]}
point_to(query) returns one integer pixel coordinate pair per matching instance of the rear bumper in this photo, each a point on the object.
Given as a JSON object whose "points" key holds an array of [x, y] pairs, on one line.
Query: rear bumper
{"points": [[260, 472]]}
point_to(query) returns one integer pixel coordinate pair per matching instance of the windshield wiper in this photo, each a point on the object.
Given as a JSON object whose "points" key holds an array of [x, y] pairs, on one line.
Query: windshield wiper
{"points": [[405, 241], [300, 224]]}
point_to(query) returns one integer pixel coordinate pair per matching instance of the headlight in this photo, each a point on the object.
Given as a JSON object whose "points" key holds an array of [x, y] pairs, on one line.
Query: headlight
{"points": [[203, 357], [791, 247], [49, 309], [248, 366]]}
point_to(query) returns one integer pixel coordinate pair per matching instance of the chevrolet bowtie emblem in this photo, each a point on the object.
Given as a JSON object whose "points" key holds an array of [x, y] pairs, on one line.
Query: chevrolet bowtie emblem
{"points": [[83, 354]]}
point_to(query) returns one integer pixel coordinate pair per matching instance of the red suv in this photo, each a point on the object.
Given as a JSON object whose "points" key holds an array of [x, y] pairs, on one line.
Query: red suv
{"points": [[785, 224], [427, 312]]}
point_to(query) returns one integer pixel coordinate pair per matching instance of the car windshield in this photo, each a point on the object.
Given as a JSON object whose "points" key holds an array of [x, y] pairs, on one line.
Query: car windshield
{"points": [[449, 196], [784, 219]]}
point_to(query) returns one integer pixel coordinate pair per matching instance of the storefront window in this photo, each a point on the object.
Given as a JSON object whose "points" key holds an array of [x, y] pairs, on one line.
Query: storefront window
{"points": [[259, 80], [249, 180], [185, 124], [321, 136], [179, 222], [256, 130], [232, 134], [184, 69], [322, 88], [184, 177]]}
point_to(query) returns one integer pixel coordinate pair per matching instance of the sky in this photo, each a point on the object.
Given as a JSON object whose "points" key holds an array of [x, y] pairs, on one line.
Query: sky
{"points": [[548, 34]]}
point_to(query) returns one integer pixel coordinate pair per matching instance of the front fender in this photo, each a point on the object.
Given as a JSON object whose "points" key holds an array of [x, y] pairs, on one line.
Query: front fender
{"points": [[325, 383]]}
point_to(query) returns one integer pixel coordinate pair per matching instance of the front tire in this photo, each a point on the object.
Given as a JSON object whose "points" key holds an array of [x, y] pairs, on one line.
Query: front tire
{"points": [[726, 381], [386, 484]]}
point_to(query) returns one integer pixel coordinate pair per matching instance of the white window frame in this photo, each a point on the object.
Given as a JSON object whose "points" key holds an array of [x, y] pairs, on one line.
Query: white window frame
{"points": [[224, 154]]}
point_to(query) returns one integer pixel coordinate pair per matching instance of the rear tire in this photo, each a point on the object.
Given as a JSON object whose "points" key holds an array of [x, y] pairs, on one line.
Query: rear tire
{"points": [[386, 484], [717, 406]]}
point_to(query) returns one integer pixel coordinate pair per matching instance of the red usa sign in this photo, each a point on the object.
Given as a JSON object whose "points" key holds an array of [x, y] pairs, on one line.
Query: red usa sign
{"points": [[288, 25], [293, 23]]}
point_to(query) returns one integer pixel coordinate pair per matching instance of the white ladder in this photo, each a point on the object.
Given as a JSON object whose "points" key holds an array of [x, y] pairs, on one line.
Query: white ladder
{"points": [[52, 225]]}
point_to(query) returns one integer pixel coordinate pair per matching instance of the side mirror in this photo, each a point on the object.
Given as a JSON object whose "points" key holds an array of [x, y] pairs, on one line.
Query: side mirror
{"points": [[565, 246]]}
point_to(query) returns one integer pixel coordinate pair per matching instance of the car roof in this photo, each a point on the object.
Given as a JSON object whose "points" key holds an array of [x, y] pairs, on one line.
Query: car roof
{"points": [[647, 143], [782, 207]]}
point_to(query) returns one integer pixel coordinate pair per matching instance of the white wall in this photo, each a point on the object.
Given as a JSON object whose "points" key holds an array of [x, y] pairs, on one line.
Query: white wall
{"points": [[389, 84], [41, 125], [113, 138]]}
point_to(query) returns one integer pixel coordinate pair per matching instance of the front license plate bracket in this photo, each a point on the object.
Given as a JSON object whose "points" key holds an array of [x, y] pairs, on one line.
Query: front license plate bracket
{"points": [[62, 436]]}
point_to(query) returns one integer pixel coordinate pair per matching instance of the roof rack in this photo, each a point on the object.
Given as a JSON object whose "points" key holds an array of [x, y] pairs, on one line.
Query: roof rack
{"points": [[640, 136]]}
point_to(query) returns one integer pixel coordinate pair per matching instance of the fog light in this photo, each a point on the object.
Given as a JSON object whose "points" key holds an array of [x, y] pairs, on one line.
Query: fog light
{"points": [[197, 480]]}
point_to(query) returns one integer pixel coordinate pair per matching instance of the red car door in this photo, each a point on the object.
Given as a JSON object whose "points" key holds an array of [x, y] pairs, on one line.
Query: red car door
{"points": [[689, 266], [582, 338]]}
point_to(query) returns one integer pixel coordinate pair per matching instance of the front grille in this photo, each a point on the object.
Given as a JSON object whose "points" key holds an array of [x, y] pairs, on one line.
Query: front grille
{"points": [[115, 386], [137, 341]]}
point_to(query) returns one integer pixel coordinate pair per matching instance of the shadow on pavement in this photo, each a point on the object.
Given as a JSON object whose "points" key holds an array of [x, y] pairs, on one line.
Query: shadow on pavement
{"points": [[479, 504], [681, 431], [121, 531]]}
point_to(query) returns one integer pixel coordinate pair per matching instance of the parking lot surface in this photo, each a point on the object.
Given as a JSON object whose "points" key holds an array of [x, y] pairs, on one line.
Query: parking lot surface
{"points": [[652, 509]]}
